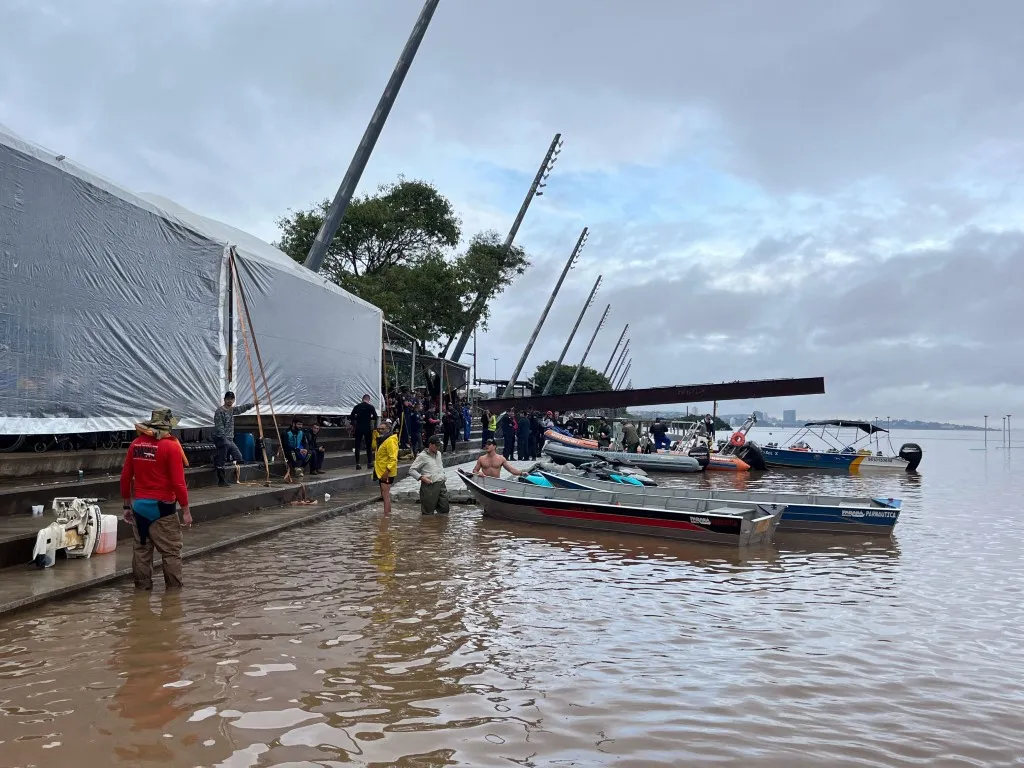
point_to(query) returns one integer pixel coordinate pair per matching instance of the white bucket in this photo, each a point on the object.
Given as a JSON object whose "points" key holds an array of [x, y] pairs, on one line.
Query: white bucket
{"points": [[107, 540]]}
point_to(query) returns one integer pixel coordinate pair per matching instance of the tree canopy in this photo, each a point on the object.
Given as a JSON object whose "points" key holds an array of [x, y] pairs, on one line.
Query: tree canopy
{"points": [[589, 379], [396, 249]]}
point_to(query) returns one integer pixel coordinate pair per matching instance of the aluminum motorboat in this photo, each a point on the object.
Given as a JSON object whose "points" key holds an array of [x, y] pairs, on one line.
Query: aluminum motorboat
{"points": [[736, 524], [804, 513]]}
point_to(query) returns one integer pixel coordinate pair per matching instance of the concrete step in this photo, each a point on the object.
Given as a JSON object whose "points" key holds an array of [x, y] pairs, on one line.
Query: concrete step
{"points": [[17, 497], [65, 465], [22, 588], [18, 532]]}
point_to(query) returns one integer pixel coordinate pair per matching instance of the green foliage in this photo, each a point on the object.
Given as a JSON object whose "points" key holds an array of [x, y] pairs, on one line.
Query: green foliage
{"points": [[589, 379], [417, 299], [485, 270], [392, 249], [400, 225]]}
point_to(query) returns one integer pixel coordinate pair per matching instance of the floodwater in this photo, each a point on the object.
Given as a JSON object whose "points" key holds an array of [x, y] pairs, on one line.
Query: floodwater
{"points": [[463, 641]]}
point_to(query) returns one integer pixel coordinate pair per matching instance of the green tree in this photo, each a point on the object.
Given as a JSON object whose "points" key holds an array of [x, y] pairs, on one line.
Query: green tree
{"points": [[485, 270], [393, 249], [415, 298], [589, 379], [401, 225]]}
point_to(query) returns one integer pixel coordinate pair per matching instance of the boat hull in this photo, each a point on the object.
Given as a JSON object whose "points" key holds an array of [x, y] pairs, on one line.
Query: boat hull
{"points": [[600, 511], [834, 462], [575, 442], [804, 513], [719, 463], [650, 462]]}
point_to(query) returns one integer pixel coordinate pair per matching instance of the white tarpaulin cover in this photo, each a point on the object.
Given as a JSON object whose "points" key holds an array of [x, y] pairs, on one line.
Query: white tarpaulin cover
{"points": [[321, 346], [111, 304]]}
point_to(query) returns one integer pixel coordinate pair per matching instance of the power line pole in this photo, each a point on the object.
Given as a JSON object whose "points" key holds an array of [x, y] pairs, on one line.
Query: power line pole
{"points": [[614, 351], [536, 190], [600, 325], [573, 257], [617, 368], [335, 214], [572, 335]]}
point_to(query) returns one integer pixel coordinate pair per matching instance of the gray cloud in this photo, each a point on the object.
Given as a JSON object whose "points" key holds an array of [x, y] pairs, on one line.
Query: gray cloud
{"points": [[779, 188]]}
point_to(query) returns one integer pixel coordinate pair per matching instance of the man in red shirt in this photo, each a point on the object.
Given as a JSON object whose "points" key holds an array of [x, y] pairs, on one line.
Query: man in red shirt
{"points": [[152, 483]]}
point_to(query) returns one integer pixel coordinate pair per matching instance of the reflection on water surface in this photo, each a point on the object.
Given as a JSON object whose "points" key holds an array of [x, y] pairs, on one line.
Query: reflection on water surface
{"points": [[462, 641]]}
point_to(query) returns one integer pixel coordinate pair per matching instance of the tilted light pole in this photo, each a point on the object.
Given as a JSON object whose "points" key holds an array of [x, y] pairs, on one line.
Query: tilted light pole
{"points": [[573, 258], [572, 335], [625, 373], [600, 325], [615, 351], [536, 190], [618, 363], [335, 214]]}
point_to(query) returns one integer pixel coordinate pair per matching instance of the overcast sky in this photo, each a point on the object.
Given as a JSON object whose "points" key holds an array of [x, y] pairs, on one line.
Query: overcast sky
{"points": [[773, 188]]}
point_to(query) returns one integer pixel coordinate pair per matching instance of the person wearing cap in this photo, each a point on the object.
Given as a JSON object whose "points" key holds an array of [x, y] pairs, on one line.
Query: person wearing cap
{"points": [[492, 462], [152, 484], [224, 435], [385, 465], [428, 468]]}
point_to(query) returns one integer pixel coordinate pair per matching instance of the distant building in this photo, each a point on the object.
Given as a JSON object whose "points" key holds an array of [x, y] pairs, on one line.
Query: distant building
{"points": [[789, 417], [760, 416]]}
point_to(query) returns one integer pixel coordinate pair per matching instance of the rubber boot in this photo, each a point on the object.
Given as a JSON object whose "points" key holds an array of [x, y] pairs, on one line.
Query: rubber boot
{"points": [[221, 480]]}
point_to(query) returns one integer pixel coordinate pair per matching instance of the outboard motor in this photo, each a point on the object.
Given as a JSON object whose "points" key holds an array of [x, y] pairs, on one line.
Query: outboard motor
{"points": [[752, 454], [912, 454], [77, 531], [701, 454]]}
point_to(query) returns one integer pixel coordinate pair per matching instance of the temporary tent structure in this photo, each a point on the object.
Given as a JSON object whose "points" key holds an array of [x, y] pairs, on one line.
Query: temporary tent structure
{"points": [[112, 304]]}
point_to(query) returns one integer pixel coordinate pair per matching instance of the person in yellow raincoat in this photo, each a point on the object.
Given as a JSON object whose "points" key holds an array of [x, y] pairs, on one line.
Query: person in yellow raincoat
{"points": [[385, 465]]}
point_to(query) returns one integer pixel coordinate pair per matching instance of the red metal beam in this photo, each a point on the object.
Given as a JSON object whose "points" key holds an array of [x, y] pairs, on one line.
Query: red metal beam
{"points": [[688, 393]]}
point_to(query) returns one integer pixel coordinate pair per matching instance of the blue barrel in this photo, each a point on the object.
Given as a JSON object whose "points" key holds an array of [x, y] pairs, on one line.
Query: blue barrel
{"points": [[246, 443]]}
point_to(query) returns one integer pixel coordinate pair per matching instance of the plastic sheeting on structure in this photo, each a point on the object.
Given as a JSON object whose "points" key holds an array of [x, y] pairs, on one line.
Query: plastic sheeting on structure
{"points": [[321, 345], [112, 304], [321, 350], [107, 308]]}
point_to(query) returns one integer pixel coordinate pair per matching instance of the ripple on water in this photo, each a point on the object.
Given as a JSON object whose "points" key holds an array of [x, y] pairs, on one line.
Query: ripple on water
{"points": [[464, 640]]}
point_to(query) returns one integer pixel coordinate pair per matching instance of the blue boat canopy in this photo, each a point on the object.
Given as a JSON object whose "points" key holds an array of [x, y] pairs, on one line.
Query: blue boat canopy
{"points": [[863, 425]]}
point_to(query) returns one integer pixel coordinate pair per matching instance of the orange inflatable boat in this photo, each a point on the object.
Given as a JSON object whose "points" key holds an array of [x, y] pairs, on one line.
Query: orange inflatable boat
{"points": [[575, 442]]}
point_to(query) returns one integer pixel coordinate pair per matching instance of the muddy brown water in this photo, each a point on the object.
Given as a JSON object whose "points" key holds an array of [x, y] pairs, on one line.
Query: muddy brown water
{"points": [[464, 641]]}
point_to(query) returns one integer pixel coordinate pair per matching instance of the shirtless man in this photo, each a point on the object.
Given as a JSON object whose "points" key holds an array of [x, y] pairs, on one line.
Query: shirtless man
{"points": [[491, 463]]}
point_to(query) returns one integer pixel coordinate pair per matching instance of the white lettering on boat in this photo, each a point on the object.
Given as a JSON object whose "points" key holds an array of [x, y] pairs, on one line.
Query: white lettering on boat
{"points": [[870, 513], [700, 520]]}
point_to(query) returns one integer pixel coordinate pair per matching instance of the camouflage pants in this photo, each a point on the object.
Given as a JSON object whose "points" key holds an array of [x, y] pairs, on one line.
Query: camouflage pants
{"points": [[165, 536]]}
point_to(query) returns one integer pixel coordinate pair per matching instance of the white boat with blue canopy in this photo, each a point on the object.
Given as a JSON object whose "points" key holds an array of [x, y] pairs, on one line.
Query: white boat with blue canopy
{"points": [[844, 446], [804, 512]]}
